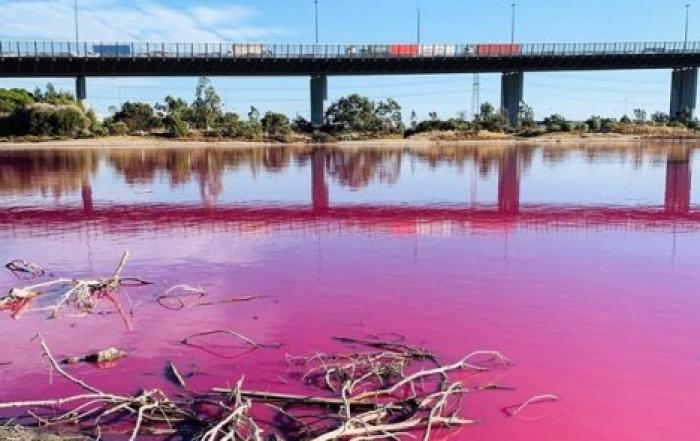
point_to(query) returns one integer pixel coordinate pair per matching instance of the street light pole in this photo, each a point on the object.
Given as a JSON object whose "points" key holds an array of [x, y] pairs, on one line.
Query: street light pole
{"points": [[317, 34], [77, 34], [418, 26], [687, 21], [512, 24]]}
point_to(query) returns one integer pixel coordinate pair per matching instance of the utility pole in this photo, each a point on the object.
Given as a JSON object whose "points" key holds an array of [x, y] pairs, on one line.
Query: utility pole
{"points": [[687, 22], [476, 98], [512, 24], [317, 33], [418, 24]]}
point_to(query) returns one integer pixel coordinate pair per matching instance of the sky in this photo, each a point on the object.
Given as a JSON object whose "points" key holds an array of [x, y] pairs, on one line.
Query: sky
{"points": [[577, 95]]}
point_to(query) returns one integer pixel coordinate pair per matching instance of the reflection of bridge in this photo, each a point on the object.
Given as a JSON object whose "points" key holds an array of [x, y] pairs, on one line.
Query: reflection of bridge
{"points": [[81, 60], [507, 210]]}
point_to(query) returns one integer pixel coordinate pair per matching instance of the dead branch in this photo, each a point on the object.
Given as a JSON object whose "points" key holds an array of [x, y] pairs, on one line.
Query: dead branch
{"points": [[187, 340], [516, 409], [82, 294]]}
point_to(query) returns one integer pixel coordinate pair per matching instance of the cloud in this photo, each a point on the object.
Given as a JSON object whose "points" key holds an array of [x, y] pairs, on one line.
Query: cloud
{"points": [[114, 20]]}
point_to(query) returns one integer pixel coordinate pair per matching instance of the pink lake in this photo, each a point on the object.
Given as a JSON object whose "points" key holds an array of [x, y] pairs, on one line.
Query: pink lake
{"points": [[580, 263]]}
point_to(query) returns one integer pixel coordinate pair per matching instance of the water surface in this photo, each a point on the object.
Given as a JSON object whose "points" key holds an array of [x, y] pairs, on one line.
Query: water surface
{"points": [[578, 262]]}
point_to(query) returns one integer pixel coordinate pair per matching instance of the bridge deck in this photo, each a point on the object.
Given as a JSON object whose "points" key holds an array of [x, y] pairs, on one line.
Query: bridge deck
{"points": [[58, 59]]}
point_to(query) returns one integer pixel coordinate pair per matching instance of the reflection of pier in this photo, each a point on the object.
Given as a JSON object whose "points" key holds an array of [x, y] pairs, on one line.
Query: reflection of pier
{"points": [[676, 207], [678, 181]]}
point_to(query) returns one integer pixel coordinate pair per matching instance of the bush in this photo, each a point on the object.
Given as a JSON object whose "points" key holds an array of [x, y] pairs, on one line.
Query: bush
{"points": [[139, 117], [275, 124], [47, 120], [176, 126], [118, 128]]}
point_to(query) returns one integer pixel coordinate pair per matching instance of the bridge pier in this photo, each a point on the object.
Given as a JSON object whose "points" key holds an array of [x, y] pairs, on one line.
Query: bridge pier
{"points": [[80, 88], [319, 95], [512, 87], [684, 92]]}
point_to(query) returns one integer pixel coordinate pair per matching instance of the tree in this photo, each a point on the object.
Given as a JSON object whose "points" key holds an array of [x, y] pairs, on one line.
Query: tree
{"points": [[594, 123], [625, 120], [302, 125], [206, 108], [388, 117], [526, 116], [139, 117], [640, 116], [557, 123], [353, 112], [414, 119], [275, 124], [660, 118]]}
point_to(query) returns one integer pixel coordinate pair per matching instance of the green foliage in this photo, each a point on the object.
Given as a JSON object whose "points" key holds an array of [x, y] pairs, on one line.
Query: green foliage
{"points": [[526, 116], [10, 99], [640, 116], [594, 123], [660, 118], [557, 123], [276, 124], [302, 125], [118, 128], [176, 126], [139, 117], [489, 119], [356, 113], [206, 108], [42, 119], [625, 120], [608, 125]]}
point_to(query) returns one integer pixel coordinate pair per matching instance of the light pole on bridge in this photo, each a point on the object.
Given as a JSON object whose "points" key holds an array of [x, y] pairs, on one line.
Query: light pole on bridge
{"points": [[75, 15], [316, 11], [687, 21], [512, 23]]}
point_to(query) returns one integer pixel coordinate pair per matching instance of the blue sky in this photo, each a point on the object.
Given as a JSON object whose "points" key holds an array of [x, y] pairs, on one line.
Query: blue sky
{"points": [[575, 94]]}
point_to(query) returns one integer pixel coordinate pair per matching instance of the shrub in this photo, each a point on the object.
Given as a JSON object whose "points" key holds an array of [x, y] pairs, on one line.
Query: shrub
{"points": [[118, 128], [176, 126]]}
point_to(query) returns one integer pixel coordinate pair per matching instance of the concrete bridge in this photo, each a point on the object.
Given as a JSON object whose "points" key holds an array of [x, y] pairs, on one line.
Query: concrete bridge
{"points": [[318, 62]]}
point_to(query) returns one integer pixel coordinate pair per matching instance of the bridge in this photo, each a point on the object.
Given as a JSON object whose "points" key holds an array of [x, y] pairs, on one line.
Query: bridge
{"points": [[83, 59]]}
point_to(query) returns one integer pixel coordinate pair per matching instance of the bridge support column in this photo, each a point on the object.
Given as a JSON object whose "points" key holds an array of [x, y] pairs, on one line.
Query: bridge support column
{"points": [[512, 87], [80, 88], [319, 95], [684, 92]]}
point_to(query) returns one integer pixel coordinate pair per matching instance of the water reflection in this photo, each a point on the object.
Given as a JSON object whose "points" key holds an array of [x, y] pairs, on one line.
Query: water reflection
{"points": [[57, 173]]}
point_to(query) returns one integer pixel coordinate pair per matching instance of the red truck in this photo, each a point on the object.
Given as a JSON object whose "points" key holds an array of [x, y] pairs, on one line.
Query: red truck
{"points": [[498, 49]]}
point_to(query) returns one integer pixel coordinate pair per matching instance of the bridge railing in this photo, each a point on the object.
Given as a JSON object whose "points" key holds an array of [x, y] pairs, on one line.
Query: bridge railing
{"points": [[55, 49]]}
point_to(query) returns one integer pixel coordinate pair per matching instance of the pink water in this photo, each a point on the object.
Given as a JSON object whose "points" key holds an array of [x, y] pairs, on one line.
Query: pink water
{"points": [[580, 264]]}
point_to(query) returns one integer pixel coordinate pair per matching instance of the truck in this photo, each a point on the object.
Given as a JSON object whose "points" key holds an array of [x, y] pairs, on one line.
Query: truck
{"points": [[499, 49], [111, 50]]}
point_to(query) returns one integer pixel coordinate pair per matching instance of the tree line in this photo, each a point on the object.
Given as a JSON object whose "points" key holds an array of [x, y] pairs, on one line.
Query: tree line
{"points": [[52, 113]]}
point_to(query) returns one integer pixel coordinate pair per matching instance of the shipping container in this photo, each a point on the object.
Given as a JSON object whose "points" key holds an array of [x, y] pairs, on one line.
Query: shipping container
{"points": [[440, 50], [248, 50], [403, 50], [505, 49], [112, 50]]}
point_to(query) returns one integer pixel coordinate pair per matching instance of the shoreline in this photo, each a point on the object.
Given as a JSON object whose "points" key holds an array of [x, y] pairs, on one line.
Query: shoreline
{"points": [[134, 142]]}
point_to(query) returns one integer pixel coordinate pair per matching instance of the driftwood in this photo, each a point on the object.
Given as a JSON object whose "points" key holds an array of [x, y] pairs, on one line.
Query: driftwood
{"points": [[364, 396], [81, 294]]}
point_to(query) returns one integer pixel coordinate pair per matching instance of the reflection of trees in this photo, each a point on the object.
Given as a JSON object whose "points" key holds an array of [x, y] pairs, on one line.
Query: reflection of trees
{"points": [[57, 172], [356, 169], [54, 172]]}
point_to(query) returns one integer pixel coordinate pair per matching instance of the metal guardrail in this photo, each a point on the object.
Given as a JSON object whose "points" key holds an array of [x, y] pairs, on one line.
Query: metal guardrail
{"points": [[40, 49]]}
